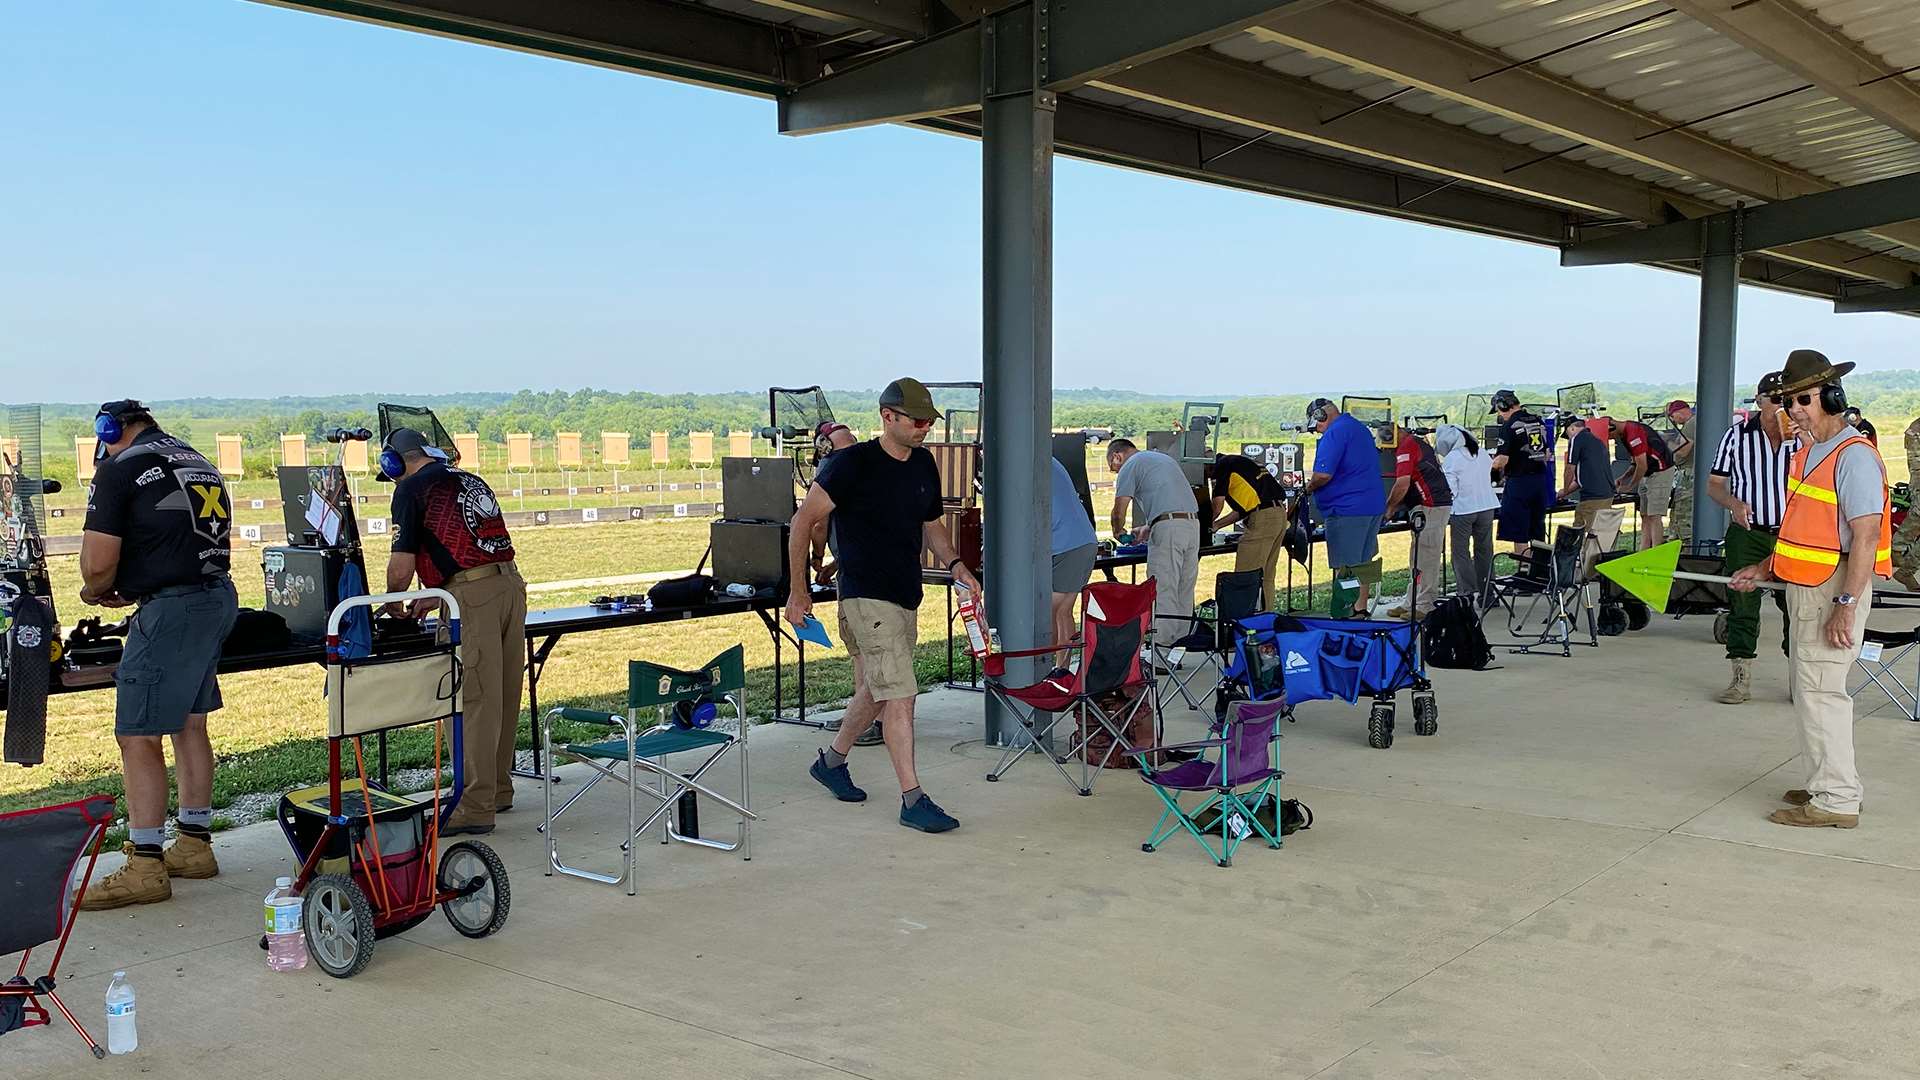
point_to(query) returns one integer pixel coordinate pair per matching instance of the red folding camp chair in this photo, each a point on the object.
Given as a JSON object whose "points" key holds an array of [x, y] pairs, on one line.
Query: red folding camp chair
{"points": [[39, 897], [1116, 627]]}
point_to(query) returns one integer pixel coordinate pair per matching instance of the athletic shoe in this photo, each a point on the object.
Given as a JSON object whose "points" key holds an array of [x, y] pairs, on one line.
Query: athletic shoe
{"points": [[836, 779], [926, 816]]}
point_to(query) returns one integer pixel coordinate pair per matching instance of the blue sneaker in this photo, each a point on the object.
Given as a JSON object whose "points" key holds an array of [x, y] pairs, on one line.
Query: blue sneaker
{"points": [[838, 781], [927, 816]]}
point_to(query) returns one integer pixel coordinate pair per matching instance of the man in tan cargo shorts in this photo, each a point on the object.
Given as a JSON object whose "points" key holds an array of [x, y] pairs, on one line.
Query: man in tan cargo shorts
{"points": [[884, 498]]}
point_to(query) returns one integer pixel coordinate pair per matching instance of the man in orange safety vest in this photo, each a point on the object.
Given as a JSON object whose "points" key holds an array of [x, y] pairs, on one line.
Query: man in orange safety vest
{"points": [[1835, 538]]}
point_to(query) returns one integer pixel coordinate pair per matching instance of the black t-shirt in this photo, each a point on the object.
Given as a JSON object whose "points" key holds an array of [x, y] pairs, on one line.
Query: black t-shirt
{"points": [[1523, 441], [1246, 486], [170, 509], [880, 506], [450, 517]]}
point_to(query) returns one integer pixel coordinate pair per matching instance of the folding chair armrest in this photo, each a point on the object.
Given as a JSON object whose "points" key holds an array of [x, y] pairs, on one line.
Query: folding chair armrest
{"points": [[1017, 654], [1200, 745], [587, 716]]}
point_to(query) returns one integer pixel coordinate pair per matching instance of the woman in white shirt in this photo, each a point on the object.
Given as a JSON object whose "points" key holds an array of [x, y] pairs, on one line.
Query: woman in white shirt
{"points": [[1469, 471]]}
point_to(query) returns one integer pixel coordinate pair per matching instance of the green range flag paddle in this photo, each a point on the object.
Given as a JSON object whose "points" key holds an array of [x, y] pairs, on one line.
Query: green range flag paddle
{"points": [[1650, 574]]}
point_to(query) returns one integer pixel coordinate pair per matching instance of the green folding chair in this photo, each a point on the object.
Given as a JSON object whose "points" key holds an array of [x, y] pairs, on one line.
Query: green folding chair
{"points": [[683, 705]]}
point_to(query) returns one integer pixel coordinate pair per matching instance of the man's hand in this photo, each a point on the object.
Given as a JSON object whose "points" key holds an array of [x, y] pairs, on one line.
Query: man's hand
{"points": [[1140, 534], [1748, 578], [799, 606], [1741, 513], [423, 607], [964, 578], [109, 598], [1840, 626]]}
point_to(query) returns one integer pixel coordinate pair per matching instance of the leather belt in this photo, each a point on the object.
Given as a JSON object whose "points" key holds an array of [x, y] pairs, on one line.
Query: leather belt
{"points": [[1174, 515], [475, 573]]}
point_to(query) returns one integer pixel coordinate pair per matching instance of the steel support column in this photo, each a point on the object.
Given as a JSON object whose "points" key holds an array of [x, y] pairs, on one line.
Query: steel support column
{"points": [[1719, 326], [1017, 200]]}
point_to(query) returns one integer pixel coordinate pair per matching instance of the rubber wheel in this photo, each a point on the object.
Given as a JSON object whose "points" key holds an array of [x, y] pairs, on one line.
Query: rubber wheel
{"points": [[1426, 714], [1638, 616], [1613, 621], [338, 922], [1720, 629], [483, 912], [1380, 725]]}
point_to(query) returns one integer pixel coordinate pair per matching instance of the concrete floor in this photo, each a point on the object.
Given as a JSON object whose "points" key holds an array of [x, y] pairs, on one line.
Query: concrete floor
{"points": [[1575, 878]]}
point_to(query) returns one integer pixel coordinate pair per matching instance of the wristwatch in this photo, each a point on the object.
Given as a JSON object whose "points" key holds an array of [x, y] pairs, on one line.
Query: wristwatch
{"points": [[1846, 599]]}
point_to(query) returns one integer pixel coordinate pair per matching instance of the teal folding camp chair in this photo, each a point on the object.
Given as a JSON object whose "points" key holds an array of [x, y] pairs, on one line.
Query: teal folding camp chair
{"points": [[1240, 775], [684, 704]]}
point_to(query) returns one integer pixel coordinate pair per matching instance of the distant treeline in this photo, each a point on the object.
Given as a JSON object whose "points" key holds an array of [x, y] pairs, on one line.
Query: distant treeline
{"points": [[1887, 397]]}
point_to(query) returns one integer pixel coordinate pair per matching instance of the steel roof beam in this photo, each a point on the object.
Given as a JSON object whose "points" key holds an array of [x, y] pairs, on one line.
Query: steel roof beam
{"points": [[1405, 50], [902, 18], [1809, 217], [673, 40], [1799, 41], [1907, 299], [1261, 99], [1080, 41]]}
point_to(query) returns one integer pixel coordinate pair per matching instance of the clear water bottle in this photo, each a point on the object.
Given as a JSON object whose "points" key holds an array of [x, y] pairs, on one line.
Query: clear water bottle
{"points": [[286, 941], [121, 1038]]}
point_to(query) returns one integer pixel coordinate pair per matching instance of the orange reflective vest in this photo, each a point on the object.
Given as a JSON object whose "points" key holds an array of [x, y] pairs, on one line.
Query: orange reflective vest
{"points": [[1808, 550]]}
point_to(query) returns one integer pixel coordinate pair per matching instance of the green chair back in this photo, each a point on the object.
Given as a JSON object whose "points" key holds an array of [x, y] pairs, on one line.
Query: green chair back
{"points": [[650, 685]]}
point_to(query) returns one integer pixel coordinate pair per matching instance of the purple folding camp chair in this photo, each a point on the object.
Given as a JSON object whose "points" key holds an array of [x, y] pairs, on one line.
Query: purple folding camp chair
{"points": [[1239, 772], [39, 897]]}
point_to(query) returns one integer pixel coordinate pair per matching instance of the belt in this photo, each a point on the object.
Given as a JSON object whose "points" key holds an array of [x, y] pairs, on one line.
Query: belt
{"points": [[185, 590], [1174, 515], [476, 573]]}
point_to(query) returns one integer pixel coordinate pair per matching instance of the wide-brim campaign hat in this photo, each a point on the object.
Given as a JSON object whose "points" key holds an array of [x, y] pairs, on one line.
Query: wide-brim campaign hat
{"points": [[1807, 368]]}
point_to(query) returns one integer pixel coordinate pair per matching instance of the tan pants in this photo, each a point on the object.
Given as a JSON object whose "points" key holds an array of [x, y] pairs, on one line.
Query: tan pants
{"points": [[493, 652], [1820, 698], [1260, 548], [1173, 562], [1430, 551]]}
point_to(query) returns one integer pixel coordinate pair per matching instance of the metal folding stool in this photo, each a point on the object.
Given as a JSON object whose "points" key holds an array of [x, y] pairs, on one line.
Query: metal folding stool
{"points": [[680, 701]]}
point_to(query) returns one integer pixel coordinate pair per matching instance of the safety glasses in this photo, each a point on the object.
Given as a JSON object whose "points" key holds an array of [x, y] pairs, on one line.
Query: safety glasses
{"points": [[1783, 400], [918, 424]]}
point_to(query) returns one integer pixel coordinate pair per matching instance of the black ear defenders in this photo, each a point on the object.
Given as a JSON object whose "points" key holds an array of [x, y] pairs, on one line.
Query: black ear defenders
{"points": [[1505, 399], [1317, 410], [106, 423], [1833, 398]]}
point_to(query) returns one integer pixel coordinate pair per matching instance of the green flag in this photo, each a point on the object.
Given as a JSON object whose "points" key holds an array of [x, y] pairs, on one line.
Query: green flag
{"points": [[1646, 574]]}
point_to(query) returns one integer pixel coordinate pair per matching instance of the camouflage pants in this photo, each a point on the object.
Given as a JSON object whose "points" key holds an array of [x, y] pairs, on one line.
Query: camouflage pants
{"points": [[1680, 511], [1906, 540]]}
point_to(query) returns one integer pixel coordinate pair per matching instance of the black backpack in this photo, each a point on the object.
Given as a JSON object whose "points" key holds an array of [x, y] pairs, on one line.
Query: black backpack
{"points": [[1451, 637]]}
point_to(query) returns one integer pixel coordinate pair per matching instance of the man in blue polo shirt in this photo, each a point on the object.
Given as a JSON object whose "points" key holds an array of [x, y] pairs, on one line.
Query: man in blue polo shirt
{"points": [[1346, 486]]}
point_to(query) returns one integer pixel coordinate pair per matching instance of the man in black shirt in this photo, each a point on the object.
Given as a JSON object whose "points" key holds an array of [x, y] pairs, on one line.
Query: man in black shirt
{"points": [[1591, 470], [884, 497], [1245, 491], [1521, 457], [158, 523], [448, 531]]}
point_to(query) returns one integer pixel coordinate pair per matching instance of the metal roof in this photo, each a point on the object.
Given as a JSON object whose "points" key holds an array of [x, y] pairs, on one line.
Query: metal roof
{"points": [[1546, 120]]}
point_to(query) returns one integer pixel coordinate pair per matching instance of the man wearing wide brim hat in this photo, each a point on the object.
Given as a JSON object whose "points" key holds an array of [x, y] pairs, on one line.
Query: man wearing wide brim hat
{"points": [[1834, 540]]}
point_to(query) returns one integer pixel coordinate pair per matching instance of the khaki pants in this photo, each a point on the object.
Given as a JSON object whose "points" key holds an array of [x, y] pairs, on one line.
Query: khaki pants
{"points": [[1173, 562], [1820, 699], [1260, 548], [1430, 550], [493, 652]]}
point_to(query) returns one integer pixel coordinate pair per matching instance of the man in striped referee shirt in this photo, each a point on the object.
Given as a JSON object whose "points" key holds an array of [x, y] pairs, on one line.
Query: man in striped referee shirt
{"points": [[1749, 478]]}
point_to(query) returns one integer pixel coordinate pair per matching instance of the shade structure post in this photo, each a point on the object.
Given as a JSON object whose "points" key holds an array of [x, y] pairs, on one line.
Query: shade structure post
{"points": [[1719, 325], [1017, 203]]}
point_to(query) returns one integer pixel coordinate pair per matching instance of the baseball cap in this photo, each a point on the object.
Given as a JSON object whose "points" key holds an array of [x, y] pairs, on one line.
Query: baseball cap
{"points": [[406, 439], [1769, 384], [1676, 405], [911, 397]]}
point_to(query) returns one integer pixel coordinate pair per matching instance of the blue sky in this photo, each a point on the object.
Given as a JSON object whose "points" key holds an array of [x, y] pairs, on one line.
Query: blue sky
{"points": [[216, 197]]}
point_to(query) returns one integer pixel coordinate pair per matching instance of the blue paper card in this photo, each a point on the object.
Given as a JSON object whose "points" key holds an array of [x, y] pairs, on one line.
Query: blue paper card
{"points": [[812, 631]]}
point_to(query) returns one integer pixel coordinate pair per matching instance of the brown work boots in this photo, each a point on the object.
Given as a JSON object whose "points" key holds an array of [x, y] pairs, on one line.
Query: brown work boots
{"points": [[147, 880], [1741, 688]]}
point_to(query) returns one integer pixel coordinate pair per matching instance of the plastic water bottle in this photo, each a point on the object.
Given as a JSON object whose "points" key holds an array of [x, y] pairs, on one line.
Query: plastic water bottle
{"points": [[286, 941], [121, 1037], [744, 592]]}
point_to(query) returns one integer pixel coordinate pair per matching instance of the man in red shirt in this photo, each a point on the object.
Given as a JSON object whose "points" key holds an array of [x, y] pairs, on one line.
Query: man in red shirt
{"points": [[1419, 482], [1651, 476], [448, 530]]}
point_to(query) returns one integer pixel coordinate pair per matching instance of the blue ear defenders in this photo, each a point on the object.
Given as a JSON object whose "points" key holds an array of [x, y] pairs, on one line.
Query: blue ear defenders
{"points": [[106, 422], [391, 465]]}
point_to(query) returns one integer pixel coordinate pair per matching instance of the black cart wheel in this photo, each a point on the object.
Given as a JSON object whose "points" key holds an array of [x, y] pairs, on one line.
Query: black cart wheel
{"points": [[473, 868], [1426, 713], [338, 922], [1720, 629], [1638, 616], [1613, 620], [1380, 725]]}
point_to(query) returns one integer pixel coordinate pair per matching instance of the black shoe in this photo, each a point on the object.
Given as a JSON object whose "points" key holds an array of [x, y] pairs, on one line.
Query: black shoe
{"points": [[927, 817], [836, 780]]}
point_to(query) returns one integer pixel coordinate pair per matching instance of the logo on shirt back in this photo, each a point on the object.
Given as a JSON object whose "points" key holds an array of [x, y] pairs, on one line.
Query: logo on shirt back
{"points": [[149, 476], [480, 512], [207, 504]]}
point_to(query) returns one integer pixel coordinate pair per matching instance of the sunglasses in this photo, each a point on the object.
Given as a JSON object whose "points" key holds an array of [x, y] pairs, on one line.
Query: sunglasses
{"points": [[918, 424], [1782, 399]]}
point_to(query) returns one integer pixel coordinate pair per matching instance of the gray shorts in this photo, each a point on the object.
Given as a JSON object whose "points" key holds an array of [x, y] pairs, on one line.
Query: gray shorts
{"points": [[1352, 539], [1073, 568], [168, 670]]}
